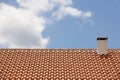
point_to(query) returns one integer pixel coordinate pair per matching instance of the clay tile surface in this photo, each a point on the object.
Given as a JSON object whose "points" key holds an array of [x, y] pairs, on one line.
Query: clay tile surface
{"points": [[59, 64]]}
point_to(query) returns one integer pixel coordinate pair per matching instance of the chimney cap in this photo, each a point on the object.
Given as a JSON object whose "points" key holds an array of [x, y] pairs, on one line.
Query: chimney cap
{"points": [[102, 38]]}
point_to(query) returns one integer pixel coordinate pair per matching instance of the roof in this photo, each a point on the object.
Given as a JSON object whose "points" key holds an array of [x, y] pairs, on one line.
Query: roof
{"points": [[59, 64]]}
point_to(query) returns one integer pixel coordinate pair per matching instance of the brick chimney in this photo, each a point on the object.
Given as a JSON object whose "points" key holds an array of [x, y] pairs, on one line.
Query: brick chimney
{"points": [[102, 45]]}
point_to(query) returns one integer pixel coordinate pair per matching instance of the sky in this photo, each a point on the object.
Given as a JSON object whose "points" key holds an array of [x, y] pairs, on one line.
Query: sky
{"points": [[59, 23]]}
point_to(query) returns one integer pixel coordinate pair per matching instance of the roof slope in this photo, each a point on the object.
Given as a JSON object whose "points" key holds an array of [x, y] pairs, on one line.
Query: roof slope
{"points": [[60, 64]]}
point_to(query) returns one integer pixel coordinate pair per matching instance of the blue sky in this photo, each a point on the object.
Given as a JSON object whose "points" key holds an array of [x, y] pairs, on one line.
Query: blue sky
{"points": [[69, 31], [74, 33]]}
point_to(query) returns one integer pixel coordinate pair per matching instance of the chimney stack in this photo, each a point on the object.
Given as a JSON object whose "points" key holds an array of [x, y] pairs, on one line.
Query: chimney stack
{"points": [[102, 45]]}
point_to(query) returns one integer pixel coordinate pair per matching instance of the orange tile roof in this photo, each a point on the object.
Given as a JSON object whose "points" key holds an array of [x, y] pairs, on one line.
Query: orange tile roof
{"points": [[59, 64]]}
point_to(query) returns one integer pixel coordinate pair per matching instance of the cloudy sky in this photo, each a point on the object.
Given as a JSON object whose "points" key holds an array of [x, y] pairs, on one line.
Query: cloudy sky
{"points": [[58, 23]]}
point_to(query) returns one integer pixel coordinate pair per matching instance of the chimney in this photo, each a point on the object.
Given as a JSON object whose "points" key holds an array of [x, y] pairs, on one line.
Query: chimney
{"points": [[102, 45]]}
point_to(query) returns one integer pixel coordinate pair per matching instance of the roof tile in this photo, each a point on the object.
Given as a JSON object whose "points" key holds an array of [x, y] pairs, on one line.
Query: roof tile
{"points": [[59, 64]]}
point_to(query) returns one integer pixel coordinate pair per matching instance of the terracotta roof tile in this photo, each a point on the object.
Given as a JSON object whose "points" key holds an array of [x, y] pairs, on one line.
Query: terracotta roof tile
{"points": [[59, 64]]}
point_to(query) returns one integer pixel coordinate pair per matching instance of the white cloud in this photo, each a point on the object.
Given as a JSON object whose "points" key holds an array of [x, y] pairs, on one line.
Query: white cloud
{"points": [[36, 6], [23, 26], [62, 2], [19, 28], [70, 11]]}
